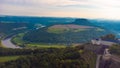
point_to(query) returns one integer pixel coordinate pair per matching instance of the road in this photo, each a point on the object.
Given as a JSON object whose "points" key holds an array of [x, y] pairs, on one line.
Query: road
{"points": [[115, 58], [98, 61], [101, 52], [8, 44]]}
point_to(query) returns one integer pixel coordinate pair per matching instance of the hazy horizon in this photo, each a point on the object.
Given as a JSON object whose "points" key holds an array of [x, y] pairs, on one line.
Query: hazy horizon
{"points": [[93, 9]]}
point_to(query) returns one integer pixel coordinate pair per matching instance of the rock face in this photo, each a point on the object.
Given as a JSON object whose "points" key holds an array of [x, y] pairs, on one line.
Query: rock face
{"points": [[83, 22]]}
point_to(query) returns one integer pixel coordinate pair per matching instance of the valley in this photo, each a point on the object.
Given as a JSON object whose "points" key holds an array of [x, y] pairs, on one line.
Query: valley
{"points": [[68, 44]]}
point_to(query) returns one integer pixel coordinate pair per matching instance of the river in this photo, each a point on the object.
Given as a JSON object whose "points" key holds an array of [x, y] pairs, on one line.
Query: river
{"points": [[8, 44]]}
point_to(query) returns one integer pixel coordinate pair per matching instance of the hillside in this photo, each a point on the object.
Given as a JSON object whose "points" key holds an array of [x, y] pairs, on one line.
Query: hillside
{"points": [[47, 58], [33, 20], [13, 28], [83, 21], [53, 34]]}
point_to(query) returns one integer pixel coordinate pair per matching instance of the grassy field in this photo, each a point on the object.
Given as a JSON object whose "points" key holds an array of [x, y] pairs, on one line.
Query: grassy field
{"points": [[18, 39], [78, 30], [99, 29], [57, 31], [46, 45], [62, 30], [1, 44], [8, 58]]}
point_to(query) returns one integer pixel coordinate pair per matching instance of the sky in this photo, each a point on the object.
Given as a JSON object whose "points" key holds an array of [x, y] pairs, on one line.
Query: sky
{"points": [[106, 9]]}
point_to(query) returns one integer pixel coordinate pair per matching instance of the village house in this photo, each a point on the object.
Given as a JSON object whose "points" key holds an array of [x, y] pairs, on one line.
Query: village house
{"points": [[105, 42]]}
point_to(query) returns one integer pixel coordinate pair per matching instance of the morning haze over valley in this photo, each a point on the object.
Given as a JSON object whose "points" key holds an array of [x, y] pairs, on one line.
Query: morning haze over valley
{"points": [[59, 34]]}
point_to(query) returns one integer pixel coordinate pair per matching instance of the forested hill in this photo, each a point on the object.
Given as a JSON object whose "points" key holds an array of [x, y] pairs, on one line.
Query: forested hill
{"points": [[41, 20], [49, 58], [85, 22], [57, 35], [47, 21], [12, 28]]}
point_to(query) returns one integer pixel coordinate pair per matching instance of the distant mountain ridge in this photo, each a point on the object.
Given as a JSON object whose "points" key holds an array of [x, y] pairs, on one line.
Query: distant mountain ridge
{"points": [[41, 20], [84, 22], [46, 20]]}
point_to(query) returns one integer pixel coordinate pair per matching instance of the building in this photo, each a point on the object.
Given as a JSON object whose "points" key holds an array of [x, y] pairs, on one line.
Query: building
{"points": [[105, 42]]}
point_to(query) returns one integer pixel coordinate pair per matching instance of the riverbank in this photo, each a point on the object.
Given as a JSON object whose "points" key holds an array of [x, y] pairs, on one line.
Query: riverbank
{"points": [[8, 44]]}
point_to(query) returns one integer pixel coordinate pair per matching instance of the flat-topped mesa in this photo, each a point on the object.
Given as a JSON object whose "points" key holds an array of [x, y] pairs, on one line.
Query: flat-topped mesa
{"points": [[82, 21]]}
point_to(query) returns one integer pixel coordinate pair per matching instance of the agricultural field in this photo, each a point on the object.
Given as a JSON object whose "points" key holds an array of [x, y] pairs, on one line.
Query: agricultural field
{"points": [[66, 28], [71, 26], [99, 29], [46, 45], [8, 58], [57, 31]]}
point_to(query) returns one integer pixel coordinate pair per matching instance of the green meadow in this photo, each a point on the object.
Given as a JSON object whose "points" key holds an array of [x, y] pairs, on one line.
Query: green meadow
{"points": [[8, 58], [46, 45]]}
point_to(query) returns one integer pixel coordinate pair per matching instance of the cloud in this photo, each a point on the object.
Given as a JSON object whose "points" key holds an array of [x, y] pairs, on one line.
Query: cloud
{"points": [[95, 8], [68, 3], [63, 2]]}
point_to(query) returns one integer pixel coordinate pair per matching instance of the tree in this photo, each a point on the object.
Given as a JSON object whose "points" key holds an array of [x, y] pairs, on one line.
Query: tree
{"points": [[108, 37]]}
